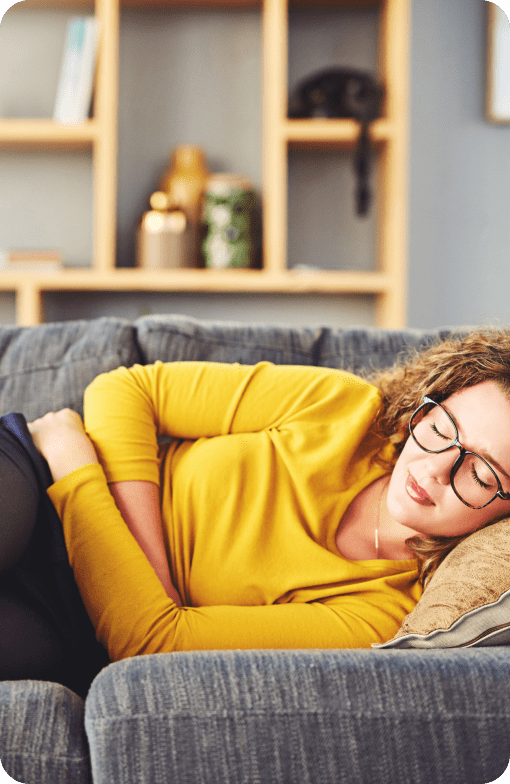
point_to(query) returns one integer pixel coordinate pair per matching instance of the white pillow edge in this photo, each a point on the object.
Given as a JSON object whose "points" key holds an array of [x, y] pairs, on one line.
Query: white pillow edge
{"points": [[465, 632]]}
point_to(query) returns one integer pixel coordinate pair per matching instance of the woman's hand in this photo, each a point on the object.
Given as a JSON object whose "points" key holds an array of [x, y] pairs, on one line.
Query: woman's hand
{"points": [[60, 438]]}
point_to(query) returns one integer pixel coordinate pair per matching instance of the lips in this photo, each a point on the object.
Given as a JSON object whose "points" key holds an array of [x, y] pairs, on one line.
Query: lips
{"points": [[417, 493]]}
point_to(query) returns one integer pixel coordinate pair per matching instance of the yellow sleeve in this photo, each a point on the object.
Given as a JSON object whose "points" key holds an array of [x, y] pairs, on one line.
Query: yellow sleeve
{"points": [[132, 614], [128, 409]]}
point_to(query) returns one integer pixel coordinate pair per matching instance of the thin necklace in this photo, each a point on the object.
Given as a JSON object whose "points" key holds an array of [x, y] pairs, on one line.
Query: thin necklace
{"points": [[378, 519]]}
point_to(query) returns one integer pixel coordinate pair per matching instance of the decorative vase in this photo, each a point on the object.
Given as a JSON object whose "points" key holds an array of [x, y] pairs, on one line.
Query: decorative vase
{"points": [[163, 240], [183, 185], [229, 203]]}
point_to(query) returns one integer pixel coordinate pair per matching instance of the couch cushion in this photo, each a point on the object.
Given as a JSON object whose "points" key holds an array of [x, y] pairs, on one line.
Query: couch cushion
{"points": [[290, 717], [179, 338], [363, 350], [48, 367], [467, 601], [42, 737]]}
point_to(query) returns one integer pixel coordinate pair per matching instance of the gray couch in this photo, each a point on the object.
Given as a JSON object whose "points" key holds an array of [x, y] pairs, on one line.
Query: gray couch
{"points": [[243, 717]]}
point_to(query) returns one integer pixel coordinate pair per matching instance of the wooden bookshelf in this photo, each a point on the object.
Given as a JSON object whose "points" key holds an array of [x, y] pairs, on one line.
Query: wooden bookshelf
{"points": [[389, 134]]}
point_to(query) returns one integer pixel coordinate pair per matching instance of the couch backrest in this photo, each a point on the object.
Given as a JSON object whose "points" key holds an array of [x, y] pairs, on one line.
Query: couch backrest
{"points": [[172, 338], [48, 367]]}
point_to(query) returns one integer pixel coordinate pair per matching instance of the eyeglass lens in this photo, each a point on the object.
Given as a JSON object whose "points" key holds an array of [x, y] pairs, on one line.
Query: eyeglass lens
{"points": [[434, 431]]}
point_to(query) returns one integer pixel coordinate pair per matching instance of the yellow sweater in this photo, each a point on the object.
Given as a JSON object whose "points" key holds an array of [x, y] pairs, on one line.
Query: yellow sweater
{"points": [[262, 464]]}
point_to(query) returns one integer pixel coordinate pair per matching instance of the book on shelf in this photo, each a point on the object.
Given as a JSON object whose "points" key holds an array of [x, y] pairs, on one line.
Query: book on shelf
{"points": [[32, 261], [77, 74]]}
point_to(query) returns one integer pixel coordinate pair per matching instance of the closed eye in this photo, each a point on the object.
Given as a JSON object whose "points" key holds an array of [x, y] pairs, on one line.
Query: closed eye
{"points": [[436, 431], [478, 480]]}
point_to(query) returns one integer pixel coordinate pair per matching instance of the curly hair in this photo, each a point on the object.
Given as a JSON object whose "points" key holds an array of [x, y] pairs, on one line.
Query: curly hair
{"points": [[441, 370]]}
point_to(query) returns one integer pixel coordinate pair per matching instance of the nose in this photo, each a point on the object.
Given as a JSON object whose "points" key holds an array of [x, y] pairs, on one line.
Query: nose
{"points": [[439, 465]]}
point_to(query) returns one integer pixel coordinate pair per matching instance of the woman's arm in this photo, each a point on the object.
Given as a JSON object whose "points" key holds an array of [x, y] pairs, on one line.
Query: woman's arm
{"points": [[138, 503], [127, 410], [60, 437]]}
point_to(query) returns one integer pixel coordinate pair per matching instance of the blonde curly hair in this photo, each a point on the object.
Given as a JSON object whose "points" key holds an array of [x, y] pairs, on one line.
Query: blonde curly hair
{"points": [[441, 370]]}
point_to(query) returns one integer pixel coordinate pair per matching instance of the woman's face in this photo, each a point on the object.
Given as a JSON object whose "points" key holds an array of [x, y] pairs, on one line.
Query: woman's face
{"points": [[420, 495]]}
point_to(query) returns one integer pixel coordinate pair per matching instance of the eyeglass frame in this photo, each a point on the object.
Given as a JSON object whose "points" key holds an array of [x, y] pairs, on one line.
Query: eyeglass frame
{"points": [[500, 493]]}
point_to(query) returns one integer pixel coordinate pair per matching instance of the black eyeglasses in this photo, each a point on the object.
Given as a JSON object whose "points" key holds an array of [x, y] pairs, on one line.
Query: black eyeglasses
{"points": [[473, 480]]}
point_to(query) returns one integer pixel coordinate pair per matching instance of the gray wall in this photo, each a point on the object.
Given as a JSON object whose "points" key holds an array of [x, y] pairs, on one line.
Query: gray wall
{"points": [[195, 77], [459, 234]]}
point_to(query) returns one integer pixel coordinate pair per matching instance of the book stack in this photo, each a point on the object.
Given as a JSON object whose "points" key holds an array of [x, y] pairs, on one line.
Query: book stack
{"points": [[76, 84], [33, 261]]}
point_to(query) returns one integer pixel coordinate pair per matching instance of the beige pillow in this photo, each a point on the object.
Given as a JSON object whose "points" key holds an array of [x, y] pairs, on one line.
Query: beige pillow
{"points": [[467, 602]]}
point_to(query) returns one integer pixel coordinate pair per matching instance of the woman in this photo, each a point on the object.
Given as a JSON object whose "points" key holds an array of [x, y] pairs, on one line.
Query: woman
{"points": [[291, 507]]}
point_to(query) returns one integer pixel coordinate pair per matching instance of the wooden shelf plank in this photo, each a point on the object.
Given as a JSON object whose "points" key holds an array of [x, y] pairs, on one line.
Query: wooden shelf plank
{"points": [[106, 103], [29, 310], [341, 132], [47, 133], [255, 281], [151, 5], [274, 144], [71, 4]]}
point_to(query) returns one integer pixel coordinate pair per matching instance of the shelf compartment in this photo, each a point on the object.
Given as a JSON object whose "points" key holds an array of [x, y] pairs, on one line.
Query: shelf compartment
{"points": [[323, 228]]}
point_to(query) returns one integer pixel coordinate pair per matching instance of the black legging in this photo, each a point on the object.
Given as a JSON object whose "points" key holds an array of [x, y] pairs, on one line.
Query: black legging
{"points": [[29, 647]]}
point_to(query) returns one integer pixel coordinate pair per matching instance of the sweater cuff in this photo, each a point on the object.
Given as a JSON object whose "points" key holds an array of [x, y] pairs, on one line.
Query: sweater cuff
{"points": [[80, 476]]}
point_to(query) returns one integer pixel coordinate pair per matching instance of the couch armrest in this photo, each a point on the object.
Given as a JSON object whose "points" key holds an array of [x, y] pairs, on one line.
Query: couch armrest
{"points": [[42, 738], [324, 717]]}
